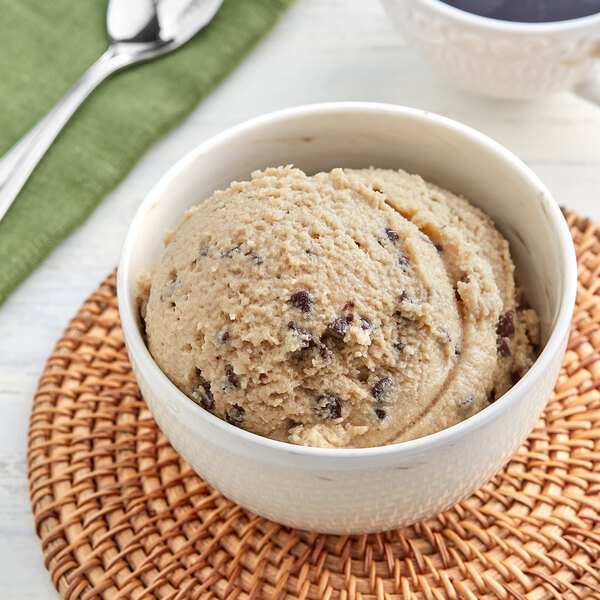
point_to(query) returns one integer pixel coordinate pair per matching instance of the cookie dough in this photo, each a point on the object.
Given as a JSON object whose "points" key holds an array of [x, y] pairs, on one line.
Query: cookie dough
{"points": [[346, 309]]}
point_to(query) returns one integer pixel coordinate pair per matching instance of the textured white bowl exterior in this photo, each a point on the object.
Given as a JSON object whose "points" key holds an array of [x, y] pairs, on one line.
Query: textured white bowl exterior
{"points": [[501, 58], [373, 489]]}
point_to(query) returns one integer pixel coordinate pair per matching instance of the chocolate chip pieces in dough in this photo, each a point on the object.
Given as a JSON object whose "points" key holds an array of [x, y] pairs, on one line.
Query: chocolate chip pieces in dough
{"points": [[346, 309]]}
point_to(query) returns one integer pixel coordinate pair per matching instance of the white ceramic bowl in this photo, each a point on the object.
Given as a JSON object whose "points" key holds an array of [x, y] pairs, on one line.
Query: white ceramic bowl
{"points": [[503, 58], [373, 489]]}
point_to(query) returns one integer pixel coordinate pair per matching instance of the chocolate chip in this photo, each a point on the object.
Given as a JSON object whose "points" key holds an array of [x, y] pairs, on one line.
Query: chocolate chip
{"points": [[322, 349], [382, 390], [231, 378], [309, 252], [304, 334], [207, 400], [229, 252], [506, 326], [365, 324], [302, 300], [439, 247], [348, 305], [203, 392], [380, 414], [457, 351], [225, 337], [467, 403], [502, 347], [328, 406], [400, 345], [339, 327], [235, 416], [392, 235], [257, 259]]}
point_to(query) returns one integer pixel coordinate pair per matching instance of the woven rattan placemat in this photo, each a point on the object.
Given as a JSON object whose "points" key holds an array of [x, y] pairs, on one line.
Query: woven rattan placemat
{"points": [[121, 515]]}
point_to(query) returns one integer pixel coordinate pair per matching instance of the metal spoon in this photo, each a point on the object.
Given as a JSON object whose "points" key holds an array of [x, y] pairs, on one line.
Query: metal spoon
{"points": [[138, 30]]}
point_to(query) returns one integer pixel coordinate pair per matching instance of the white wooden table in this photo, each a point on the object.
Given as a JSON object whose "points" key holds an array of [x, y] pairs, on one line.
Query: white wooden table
{"points": [[322, 50]]}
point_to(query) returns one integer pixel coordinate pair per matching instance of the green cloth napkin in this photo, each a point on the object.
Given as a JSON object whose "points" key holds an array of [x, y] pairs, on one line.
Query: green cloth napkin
{"points": [[45, 46]]}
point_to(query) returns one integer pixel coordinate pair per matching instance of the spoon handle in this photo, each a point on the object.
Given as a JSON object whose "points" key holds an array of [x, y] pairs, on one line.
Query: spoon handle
{"points": [[18, 163]]}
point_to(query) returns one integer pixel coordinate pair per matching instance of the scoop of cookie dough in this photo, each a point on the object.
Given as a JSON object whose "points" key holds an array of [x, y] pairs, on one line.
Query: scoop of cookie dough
{"points": [[346, 309]]}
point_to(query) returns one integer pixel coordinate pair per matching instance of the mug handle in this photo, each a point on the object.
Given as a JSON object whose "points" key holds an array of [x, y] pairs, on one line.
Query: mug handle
{"points": [[589, 90]]}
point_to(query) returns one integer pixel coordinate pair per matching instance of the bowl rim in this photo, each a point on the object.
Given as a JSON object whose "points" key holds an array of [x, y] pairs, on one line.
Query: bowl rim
{"points": [[557, 335], [500, 25]]}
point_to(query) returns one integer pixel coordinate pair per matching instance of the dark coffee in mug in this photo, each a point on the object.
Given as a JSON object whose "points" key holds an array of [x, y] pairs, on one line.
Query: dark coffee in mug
{"points": [[529, 11]]}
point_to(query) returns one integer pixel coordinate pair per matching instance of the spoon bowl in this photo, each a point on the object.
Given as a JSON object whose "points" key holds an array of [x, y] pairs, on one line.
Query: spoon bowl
{"points": [[156, 27], [138, 30]]}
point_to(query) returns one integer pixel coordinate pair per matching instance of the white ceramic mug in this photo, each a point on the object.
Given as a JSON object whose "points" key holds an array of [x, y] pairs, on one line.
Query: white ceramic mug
{"points": [[503, 58]]}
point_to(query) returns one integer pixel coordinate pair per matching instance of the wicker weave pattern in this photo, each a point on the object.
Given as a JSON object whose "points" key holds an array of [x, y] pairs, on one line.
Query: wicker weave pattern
{"points": [[120, 515]]}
